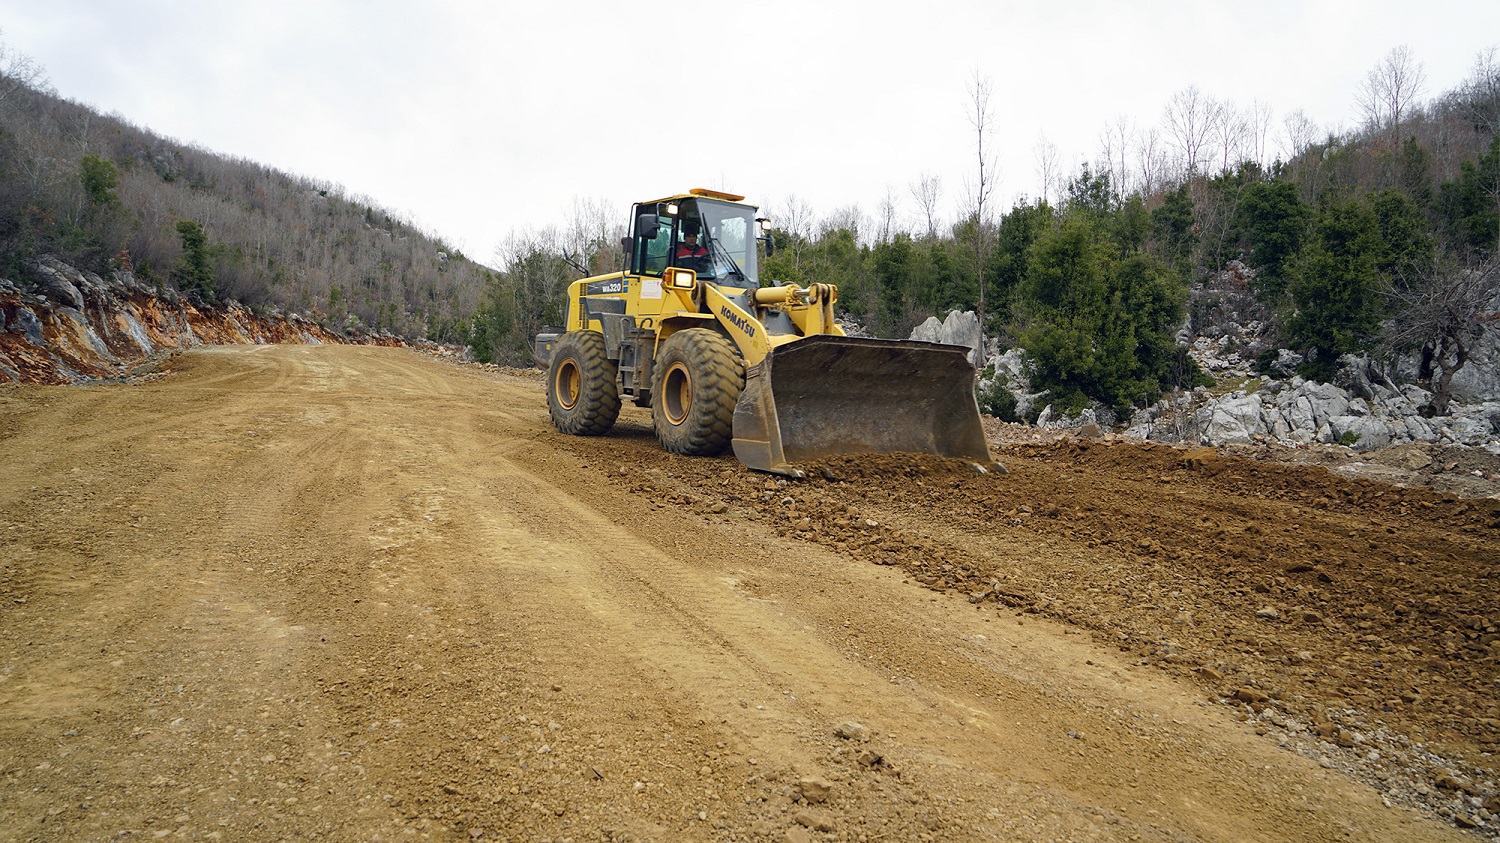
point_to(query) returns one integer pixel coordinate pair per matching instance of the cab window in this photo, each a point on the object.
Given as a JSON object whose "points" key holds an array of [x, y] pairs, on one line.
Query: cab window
{"points": [[653, 255]]}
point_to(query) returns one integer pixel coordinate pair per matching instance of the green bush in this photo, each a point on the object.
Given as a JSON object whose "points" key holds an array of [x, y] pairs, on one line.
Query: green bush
{"points": [[1098, 325], [996, 399]]}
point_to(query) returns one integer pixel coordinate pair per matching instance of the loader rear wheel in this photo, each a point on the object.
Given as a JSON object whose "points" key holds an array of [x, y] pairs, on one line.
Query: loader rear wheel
{"points": [[582, 394], [698, 378]]}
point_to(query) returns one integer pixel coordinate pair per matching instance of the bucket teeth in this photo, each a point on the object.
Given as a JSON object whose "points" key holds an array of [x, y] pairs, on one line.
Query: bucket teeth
{"points": [[827, 395]]}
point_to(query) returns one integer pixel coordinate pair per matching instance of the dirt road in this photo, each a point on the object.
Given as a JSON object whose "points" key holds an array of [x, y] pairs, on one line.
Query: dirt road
{"points": [[347, 593]]}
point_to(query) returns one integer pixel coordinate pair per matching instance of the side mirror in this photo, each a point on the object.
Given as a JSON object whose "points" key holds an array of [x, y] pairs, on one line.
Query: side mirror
{"points": [[770, 245], [646, 226], [625, 244]]}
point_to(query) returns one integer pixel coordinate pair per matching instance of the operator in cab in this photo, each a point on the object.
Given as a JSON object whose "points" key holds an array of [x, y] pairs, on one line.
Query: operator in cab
{"points": [[690, 254]]}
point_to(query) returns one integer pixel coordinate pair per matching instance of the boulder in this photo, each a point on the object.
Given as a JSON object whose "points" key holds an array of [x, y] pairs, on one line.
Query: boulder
{"points": [[56, 282], [1466, 430], [1368, 433], [1420, 429], [959, 327], [1233, 420], [1097, 415], [1324, 401], [1357, 376], [1012, 364], [1276, 423]]}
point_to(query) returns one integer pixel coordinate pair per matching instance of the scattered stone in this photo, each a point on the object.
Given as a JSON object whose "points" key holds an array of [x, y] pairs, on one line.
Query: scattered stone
{"points": [[815, 789], [1448, 781], [797, 835], [1251, 696], [852, 732], [1200, 458], [1210, 674], [1268, 613], [813, 820]]}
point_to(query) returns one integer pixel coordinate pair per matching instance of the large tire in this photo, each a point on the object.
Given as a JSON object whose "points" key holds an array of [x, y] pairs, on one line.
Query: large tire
{"points": [[582, 394], [697, 378]]}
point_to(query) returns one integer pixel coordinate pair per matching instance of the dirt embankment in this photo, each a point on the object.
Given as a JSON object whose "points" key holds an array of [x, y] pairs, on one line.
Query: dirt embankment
{"points": [[349, 593], [79, 328]]}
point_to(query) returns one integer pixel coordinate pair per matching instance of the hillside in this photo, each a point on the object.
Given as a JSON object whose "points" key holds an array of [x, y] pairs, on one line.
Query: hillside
{"points": [[103, 195]]}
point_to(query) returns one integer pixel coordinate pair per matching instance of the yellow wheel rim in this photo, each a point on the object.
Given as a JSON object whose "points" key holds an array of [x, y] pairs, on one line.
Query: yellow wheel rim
{"points": [[677, 389], [568, 384]]}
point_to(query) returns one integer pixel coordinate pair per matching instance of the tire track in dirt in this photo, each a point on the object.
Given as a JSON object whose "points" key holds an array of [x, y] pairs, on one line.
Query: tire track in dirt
{"points": [[405, 607]]}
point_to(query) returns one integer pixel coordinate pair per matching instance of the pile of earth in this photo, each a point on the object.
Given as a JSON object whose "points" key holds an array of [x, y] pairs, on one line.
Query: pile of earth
{"points": [[1354, 618]]}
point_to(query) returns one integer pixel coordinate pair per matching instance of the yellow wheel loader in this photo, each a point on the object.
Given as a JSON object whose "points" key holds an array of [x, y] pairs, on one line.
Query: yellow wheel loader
{"points": [[688, 329]]}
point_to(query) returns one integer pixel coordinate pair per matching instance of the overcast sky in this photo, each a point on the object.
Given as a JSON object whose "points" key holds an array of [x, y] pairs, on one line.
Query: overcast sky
{"points": [[474, 119]]}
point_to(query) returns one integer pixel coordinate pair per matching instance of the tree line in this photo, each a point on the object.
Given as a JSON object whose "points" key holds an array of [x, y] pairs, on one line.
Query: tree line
{"points": [[1381, 240]]}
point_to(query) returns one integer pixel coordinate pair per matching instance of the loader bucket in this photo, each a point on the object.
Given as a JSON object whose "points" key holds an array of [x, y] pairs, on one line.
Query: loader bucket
{"points": [[825, 395]]}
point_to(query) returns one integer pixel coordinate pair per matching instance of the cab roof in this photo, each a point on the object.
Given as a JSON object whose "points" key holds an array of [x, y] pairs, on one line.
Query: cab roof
{"points": [[699, 193]]}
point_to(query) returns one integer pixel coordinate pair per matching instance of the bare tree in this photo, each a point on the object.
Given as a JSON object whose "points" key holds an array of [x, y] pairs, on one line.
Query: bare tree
{"points": [[981, 188], [795, 217], [888, 211], [1298, 134], [1191, 118], [1440, 317], [1390, 91], [18, 71], [1047, 165], [1114, 147], [1232, 131], [1481, 92], [1151, 158], [848, 218], [927, 190], [593, 235], [1259, 119]]}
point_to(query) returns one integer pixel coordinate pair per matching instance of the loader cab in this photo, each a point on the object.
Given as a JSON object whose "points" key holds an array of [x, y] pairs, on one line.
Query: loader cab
{"points": [[713, 237]]}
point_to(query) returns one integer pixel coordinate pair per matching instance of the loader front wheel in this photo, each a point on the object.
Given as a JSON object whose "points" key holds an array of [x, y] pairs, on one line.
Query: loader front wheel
{"points": [[698, 378], [582, 395]]}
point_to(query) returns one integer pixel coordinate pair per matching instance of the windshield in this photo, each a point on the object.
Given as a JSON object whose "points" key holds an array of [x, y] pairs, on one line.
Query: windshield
{"points": [[730, 232]]}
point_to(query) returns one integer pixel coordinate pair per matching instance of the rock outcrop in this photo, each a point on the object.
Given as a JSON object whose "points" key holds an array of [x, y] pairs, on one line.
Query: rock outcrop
{"points": [[960, 327], [1359, 413], [1365, 407], [73, 326]]}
